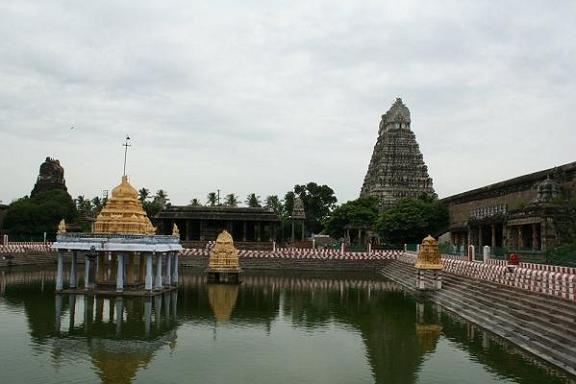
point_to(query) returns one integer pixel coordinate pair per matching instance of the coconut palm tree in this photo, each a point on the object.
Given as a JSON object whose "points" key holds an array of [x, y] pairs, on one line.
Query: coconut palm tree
{"points": [[231, 200]]}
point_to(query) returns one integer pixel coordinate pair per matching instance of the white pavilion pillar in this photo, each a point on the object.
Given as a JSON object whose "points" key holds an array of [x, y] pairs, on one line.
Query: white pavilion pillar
{"points": [[148, 278], [73, 273], [120, 273], [87, 283], [158, 286], [60, 272], [169, 269], [175, 277]]}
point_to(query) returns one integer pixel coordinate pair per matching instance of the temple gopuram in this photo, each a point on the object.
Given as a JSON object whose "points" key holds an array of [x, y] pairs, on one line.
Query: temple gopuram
{"points": [[123, 255], [249, 226], [397, 169]]}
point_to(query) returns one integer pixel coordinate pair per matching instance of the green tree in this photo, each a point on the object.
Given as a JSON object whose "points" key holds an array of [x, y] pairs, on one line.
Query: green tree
{"points": [[195, 203], [143, 194], [161, 198], [152, 208], [97, 205], [231, 200], [212, 199], [274, 204], [361, 212], [28, 218], [318, 200], [288, 203], [253, 201], [410, 220]]}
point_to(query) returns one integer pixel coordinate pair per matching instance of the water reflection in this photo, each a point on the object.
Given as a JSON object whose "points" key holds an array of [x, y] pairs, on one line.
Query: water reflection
{"points": [[121, 338]]}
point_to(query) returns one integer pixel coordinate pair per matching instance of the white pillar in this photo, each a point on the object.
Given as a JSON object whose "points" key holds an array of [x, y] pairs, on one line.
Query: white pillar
{"points": [[158, 285], [120, 273], [73, 274], [369, 248], [148, 279], [87, 283], [342, 248], [273, 247], [60, 272], [175, 276], [437, 279], [169, 269], [485, 253]]}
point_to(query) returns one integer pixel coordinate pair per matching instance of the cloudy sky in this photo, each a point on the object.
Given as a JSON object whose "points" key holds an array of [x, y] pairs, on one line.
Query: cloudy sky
{"points": [[256, 96]]}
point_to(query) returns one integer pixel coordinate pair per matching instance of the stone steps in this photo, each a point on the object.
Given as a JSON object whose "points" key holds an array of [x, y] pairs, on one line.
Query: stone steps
{"points": [[564, 313], [556, 338], [541, 324]]}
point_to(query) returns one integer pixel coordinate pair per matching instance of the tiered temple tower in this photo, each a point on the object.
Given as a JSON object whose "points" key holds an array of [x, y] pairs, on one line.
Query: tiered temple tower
{"points": [[397, 169]]}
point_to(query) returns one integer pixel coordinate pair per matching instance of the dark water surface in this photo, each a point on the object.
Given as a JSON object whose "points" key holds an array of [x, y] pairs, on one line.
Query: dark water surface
{"points": [[274, 328]]}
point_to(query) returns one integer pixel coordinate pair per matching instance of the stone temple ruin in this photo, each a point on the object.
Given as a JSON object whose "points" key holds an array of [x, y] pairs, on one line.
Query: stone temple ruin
{"points": [[397, 169], [51, 176]]}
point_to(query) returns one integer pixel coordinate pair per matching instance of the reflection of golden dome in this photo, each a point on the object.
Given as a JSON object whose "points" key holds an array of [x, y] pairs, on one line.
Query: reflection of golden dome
{"points": [[429, 255], [123, 213], [428, 335], [116, 368], [224, 257], [222, 298]]}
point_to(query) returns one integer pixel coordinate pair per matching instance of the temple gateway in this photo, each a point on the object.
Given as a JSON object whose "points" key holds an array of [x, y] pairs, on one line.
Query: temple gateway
{"points": [[397, 169]]}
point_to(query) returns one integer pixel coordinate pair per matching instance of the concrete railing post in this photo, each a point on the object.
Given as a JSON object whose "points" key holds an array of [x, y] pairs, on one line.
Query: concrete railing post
{"points": [[471, 253], [486, 253]]}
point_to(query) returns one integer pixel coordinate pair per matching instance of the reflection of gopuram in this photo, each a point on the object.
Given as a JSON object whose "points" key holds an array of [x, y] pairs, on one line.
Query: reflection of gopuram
{"points": [[223, 266], [123, 248], [222, 298]]}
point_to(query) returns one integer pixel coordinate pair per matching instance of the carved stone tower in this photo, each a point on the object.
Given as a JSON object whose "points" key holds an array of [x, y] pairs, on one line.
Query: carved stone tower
{"points": [[397, 169]]}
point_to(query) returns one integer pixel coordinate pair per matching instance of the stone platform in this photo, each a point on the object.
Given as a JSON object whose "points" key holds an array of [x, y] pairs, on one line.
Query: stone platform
{"points": [[106, 292]]}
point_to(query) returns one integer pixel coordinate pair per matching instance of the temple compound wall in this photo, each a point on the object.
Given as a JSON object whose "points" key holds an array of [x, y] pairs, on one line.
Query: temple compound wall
{"points": [[526, 214]]}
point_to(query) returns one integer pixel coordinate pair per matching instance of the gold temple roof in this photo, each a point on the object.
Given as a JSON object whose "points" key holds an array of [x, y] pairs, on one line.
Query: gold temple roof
{"points": [[123, 213], [224, 257], [429, 256]]}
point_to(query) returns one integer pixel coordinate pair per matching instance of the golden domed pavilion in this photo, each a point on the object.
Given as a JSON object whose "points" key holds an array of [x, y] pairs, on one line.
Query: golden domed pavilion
{"points": [[223, 265], [128, 256]]}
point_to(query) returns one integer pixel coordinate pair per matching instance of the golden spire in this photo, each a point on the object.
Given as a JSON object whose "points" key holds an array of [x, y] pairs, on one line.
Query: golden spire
{"points": [[429, 255], [224, 256], [61, 227], [123, 213]]}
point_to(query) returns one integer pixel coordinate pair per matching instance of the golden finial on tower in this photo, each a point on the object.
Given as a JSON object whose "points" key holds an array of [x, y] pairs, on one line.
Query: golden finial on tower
{"points": [[175, 231], [61, 227]]}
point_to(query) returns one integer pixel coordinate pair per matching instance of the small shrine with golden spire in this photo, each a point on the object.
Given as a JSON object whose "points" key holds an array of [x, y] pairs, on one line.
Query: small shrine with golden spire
{"points": [[223, 265], [127, 253], [429, 259]]}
